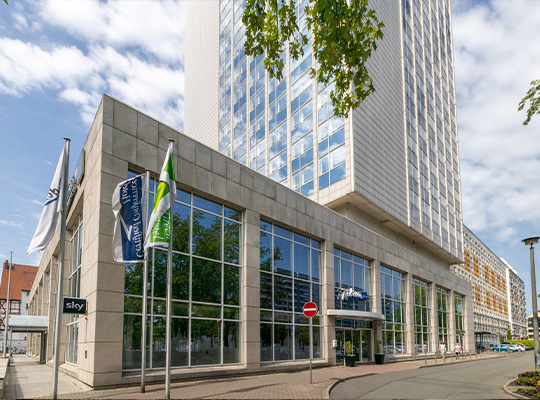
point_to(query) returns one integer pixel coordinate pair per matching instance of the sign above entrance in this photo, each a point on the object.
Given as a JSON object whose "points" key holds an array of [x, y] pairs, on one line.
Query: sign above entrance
{"points": [[73, 305], [347, 294], [310, 309]]}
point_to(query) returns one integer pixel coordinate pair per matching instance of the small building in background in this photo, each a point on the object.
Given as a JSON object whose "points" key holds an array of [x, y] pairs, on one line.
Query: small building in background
{"points": [[22, 278], [515, 289], [530, 329]]}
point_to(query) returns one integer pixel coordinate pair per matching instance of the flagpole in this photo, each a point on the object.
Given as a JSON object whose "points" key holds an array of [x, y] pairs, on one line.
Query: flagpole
{"points": [[169, 304], [61, 271], [6, 322], [145, 289]]}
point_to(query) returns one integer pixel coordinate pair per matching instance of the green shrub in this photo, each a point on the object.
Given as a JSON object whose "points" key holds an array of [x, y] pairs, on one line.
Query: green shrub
{"points": [[526, 381], [529, 374], [529, 343]]}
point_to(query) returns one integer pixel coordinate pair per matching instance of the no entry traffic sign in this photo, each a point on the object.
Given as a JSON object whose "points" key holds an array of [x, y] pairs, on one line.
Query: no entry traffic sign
{"points": [[310, 309]]}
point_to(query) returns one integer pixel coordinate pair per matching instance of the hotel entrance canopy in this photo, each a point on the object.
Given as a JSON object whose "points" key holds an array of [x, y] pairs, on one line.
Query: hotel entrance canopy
{"points": [[28, 323], [356, 314]]}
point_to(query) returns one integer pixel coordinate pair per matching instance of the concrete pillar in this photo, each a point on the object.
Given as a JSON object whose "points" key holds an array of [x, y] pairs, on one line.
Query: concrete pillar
{"points": [[434, 319], [468, 323], [328, 301], [409, 315], [451, 320], [376, 302], [251, 281]]}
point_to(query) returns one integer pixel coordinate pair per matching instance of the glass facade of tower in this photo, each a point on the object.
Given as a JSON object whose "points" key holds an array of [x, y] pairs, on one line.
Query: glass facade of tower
{"points": [[283, 129], [434, 183]]}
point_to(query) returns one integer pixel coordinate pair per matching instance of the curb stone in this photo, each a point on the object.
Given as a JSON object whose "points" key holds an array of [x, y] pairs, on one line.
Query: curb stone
{"points": [[332, 385], [508, 391]]}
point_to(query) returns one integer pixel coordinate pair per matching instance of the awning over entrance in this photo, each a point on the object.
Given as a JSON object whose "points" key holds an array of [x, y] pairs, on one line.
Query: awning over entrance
{"points": [[356, 314], [28, 323]]}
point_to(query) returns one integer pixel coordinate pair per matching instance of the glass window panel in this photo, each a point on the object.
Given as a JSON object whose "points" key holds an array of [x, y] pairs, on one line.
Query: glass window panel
{"points": [[180, 277], [316, 295], [134, 275], [206, 281], [301, 294], [283, 342], [266, 291], [160, 273], [231, 342], [179, 342], [207, 205], [283, 298], [315, 265], [231, 313], [266, 342], [131, 354], [231, 285], [346, 274], [205, 342], [180, 309], [282, 256], [158, 342], [159, 307], [232, 214], [133, 304], [301, 261], [266, 251], [232, 242], [301, 342], [282, 232], [206, 235]]}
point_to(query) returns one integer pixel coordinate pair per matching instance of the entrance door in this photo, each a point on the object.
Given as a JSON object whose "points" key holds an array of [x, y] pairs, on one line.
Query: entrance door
{"points": [[366, 346]]}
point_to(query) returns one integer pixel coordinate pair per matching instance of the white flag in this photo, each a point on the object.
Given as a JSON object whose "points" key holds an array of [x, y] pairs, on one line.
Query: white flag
{"points": [[158, 232], [51, 210]]}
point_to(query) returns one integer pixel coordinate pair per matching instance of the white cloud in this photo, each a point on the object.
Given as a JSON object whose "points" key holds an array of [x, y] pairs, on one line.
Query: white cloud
{"points": [[47, 162], [13, 224], [130, 50], [496, 57]]}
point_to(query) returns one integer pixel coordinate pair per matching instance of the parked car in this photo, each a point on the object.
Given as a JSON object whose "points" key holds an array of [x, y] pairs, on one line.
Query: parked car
{"points": [[500, 347], [513, 347]]}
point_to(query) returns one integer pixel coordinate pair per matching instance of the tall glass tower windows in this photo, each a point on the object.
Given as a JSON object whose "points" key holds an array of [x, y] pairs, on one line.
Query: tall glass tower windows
{"points": [[422, 321], [302, 150], [206, 289], [442, 315], [331, 139], [393, 308], [74, 290], [290, 276], [354, 272]]}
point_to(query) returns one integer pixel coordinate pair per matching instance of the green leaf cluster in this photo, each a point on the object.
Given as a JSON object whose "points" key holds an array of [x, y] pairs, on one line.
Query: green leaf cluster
{"points": [[533, 97], [5, 1], [344, 35]]}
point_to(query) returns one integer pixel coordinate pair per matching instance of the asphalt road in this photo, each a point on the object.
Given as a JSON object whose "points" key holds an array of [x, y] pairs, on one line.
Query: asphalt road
{"points": [[482, 379]]}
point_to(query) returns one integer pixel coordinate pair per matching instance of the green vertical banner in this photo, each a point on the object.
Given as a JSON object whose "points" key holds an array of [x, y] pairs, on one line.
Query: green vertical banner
{"points": [[158, 232]]}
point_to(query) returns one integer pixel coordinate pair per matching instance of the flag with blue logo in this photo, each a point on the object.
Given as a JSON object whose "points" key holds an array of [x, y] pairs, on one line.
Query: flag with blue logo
{"points": [[128, 202]]}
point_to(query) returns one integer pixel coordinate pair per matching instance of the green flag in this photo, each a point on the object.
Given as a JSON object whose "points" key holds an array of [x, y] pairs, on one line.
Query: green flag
{"points": [[158, 232]]}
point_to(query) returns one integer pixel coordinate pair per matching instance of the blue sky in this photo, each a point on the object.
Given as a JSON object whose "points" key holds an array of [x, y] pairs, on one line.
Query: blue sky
{"points": [[58, 57]]}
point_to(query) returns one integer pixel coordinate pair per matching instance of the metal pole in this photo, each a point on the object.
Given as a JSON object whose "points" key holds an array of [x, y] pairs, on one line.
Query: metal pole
{"points": [[169, 308], [145, 291], [310, 349], [58, 322], [6, 322], [535, 311]]}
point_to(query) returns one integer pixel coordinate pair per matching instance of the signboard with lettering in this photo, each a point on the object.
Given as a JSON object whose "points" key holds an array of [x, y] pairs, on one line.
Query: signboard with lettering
{"points": [[347, 294], [73, 305]]}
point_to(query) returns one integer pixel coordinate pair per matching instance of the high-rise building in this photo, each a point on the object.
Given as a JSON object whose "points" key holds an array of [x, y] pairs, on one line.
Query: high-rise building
{"points": [[395, 158], [515, 289]]}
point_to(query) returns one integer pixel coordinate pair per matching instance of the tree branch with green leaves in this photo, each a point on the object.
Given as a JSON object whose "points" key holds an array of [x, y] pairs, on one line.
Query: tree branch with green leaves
{"points": [[5, 1], [533, 97], [344, 36]]}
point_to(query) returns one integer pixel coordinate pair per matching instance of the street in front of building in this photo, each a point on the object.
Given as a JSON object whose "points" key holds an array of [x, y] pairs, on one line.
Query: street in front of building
{"points": [[483, 379]]}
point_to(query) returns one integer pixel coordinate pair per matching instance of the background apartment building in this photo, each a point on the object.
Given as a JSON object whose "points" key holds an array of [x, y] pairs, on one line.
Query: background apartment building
{"points": [[515, 289], [22, 277], [487, 274]]}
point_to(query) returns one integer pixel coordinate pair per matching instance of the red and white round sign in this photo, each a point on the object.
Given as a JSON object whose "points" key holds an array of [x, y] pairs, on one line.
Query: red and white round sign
{"points": [[310, 309]]}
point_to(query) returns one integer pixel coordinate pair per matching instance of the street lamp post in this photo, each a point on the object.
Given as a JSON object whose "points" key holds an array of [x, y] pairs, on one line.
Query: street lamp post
{"points": [[530, 242]]}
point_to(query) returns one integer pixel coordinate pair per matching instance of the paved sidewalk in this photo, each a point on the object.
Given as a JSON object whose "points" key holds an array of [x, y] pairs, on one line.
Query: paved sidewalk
{"points": [[292, 385], [27, 379]]}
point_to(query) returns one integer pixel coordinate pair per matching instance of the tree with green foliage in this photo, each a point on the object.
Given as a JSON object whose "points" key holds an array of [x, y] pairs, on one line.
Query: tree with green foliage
{"points": [[343, 34], [533, 97]]}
